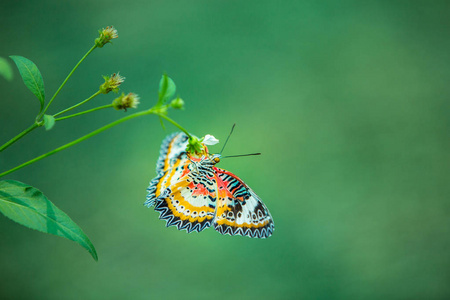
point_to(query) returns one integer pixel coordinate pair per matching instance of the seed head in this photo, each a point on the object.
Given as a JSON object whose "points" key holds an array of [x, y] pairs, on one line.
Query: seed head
{"points": [[126, 101], [106, 35], [111, 83]]}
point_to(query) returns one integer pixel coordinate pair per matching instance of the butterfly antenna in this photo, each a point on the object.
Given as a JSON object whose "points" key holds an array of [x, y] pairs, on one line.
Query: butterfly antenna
{"points": [[241, 155], [232, 128]]}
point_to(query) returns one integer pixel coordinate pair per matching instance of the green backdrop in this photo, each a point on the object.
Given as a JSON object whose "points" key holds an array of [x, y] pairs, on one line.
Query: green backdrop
{"points": [[347, 100]]}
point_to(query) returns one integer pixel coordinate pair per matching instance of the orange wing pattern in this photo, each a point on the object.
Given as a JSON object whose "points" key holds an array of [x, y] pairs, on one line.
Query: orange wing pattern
{"points": [[188, 204], [171, 164], [239, 210]]}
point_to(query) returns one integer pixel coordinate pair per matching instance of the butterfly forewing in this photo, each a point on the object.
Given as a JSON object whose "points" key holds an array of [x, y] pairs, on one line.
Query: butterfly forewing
{"points": [[239, 210], [170, 166]]}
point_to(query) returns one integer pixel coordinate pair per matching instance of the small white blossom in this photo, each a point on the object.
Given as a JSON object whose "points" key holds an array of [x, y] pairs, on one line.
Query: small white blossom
{"points": [[210, 140]]}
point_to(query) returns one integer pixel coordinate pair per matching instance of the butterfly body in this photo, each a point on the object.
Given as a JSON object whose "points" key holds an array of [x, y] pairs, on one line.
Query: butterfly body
{"points": [[190, 192]]}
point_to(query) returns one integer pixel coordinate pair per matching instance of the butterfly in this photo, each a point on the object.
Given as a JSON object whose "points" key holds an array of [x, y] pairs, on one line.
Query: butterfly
{"points": [[191, 193]]}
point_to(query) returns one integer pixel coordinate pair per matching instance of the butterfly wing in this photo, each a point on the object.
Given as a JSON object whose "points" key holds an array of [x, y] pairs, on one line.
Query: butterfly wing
{"points": [[170, 166], [173, 148], [188, 203], [239, 210], [184, 197]]}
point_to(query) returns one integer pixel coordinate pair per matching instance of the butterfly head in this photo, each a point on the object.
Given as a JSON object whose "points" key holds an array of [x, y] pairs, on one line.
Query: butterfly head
{"points": [[215, 158]]}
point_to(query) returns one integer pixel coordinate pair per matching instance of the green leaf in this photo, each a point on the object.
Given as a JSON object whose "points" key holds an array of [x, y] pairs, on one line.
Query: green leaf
{"points": [[167, 89], [27, 205], [31, 77], [49, 122], [5, 69]]}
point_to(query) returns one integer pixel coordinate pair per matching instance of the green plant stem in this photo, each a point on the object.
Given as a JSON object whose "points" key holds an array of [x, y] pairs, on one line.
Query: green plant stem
{"points": [[19, 136], [78, 104], [174, 123], [83, 138], [37, 123], [65, 80], [84, 112]]}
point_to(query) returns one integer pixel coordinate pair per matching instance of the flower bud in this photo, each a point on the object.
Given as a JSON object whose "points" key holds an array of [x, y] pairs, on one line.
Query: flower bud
{"points": [[106, 35], [177, 103], [111, 83], [126, 101], [194, 146]]}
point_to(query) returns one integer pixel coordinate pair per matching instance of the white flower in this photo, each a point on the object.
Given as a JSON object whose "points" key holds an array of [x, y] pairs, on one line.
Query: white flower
{"points": [[210, 140]]}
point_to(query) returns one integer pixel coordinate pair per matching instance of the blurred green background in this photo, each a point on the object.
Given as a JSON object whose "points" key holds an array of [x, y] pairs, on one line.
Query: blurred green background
{"points": [[347, 100]]}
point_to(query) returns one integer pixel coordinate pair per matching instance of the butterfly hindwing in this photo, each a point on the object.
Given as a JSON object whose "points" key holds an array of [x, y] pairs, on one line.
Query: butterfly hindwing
{"points": [[239, 210], [189, 203]]}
